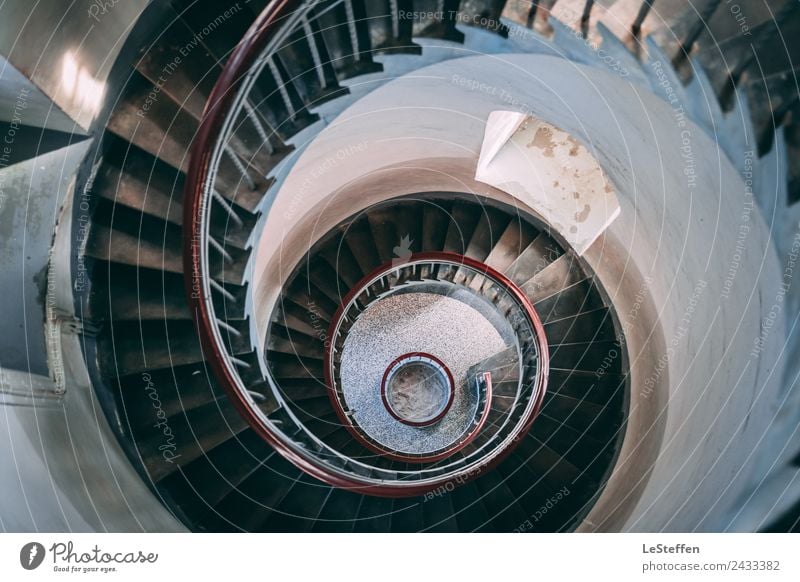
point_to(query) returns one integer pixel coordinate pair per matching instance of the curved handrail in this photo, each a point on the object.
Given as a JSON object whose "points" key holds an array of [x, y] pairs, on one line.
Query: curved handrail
{"points": [[222, 96], [204, 154], [454, 259], [450, 395]]}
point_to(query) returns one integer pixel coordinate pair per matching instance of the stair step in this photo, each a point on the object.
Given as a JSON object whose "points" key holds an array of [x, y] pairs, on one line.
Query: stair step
{"points": [[293, 366], [503, 366], [564, 272], [251, 504], [536, 256], [187, 80], [589, 386], [444, 27], [229, 300], [437, 512], [300, 389], [527, 486], [300, 507], [344, 263], [345, 37], [595, 420], [195, 432], [318, 409], [463, 220], [511, 243], [171, 390], [581, 297], [359, 239], [501, 502], [326, 279], [284, 340], [134, 347], [597, 357], [230, 225], [594, 326], [374, 515], [581, 450], [164, 130], [309, 298], [312, 76], [125, 292], [338, 512], [491, 225], [553, 468], [385, 235], [206, 481], [407, 515], [435, 222], [310, 322], [389, 33], [470, 508], [128, 249], [143, 183], [147, 300]]}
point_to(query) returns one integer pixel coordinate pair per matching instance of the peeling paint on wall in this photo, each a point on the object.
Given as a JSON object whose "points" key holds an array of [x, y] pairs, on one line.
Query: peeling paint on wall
{"points": [[550, 170]]}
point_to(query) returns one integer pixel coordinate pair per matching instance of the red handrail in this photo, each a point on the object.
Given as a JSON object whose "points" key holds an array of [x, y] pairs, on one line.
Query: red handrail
{"points": [[219, 102], [513, 289], [450, 395], [242, 59]]}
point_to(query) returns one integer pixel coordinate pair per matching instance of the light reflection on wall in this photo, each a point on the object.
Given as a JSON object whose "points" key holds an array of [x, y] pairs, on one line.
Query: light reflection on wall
{"points": [[83, 90]]}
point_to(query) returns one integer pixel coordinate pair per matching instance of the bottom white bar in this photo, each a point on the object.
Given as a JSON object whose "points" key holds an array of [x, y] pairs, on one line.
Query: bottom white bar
{"points": [[399, 557]]}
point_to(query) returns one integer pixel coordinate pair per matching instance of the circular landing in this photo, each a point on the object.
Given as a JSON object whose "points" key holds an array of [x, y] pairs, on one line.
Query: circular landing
{"points": [[457, 334], [417, 389]]}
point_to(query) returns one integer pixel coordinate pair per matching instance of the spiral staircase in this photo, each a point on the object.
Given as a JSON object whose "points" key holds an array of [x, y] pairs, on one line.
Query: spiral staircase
{"points": [[262, 383]]}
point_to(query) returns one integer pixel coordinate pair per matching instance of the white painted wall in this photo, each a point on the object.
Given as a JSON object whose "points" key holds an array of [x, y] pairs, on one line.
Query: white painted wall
{"points": [[664, 261]]}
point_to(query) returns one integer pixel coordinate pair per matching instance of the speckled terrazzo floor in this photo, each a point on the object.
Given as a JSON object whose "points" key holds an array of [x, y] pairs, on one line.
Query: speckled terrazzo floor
{"points": [[456, 333]]}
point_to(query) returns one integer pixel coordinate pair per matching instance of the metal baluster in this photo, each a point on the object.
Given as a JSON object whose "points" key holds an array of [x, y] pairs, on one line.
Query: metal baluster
{"points": [[258, 398], [695, 31], [227, 207], [587, 13], [229, 327], [240, 166], [227, 294], [239, 363], [287, 100], [532, 13], [395, 18], [644, 10], [252, 114], [312, 44], [225, 255], [351, 26]]}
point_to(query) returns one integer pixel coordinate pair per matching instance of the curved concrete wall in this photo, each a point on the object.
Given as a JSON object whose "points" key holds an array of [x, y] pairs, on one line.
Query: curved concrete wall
{"points": [[695, 303], [702, 389], [62, 466]]}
